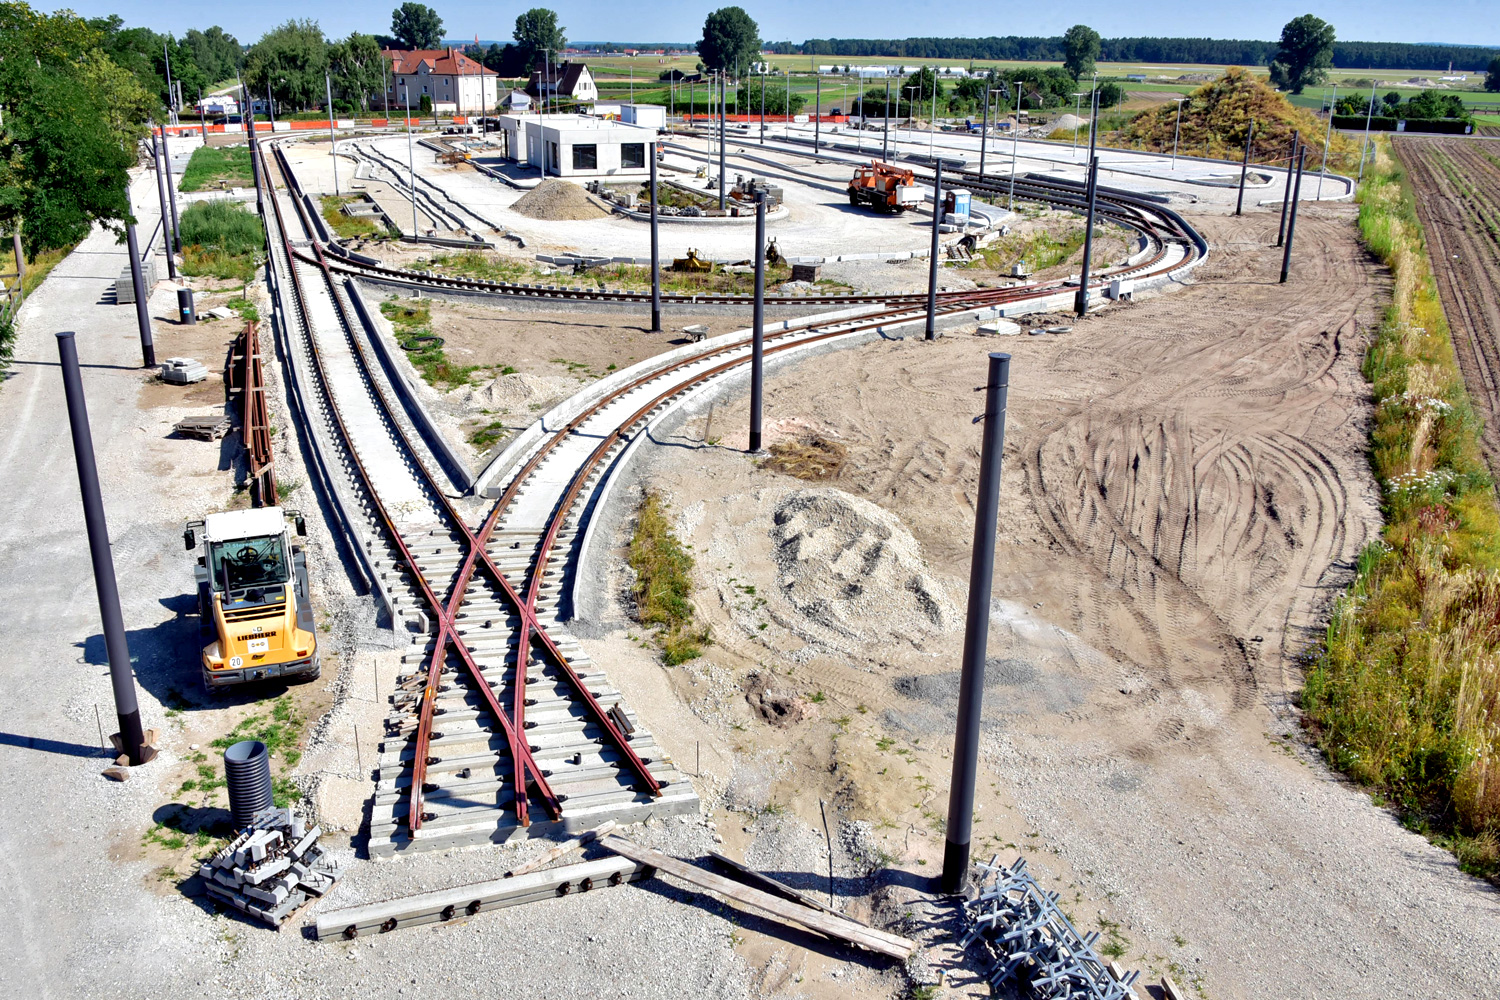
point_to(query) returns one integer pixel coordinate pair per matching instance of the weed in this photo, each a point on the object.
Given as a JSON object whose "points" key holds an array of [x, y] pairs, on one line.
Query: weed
{"points": [[346, 226], [663, 584], [817, 697], [211, 164], [1117, 943], [220, 239], [412, 320], [487, 435], [884, 743], [166, 837]]}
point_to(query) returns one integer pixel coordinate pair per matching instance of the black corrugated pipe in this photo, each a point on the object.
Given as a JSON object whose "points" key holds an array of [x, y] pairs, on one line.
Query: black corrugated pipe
{"points": [[247, 771]]}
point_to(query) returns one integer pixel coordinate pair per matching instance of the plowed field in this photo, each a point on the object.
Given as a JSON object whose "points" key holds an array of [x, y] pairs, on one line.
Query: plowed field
{"points": [[1458, 189]]}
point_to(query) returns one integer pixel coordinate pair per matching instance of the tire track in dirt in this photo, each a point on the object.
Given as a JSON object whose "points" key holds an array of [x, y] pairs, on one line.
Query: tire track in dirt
{"points": [[1461, 222]]}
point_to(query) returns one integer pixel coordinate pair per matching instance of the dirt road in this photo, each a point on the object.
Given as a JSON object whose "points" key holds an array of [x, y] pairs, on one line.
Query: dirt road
{"points": [[1458, 200], [1186, 486]]}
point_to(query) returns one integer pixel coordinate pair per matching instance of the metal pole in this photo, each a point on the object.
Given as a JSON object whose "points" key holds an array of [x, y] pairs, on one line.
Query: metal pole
{"points": [[930, 333], [762, 104], [757, 345], [1327, 137], [132, 738], [1239, 203], [1077, 112], [1287, 196], [333, 135], [655, 252], [1291, 227], [1082, 304], [411, 164], [15, 242], [386, 87], [932, 123], [270, 108], [254, 146], [984, 130], [885, 139], [166, 162], [1176, 131], [817, 111], [166, 215], [171, 104], [1015, 138], [723, 106], [1094, 120], [138, 282], [1365, 146], [960, 828], [202, 118]]}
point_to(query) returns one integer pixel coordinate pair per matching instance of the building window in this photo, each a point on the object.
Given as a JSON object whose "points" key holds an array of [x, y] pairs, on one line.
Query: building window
{"points": [[424, 88], [586, 157], [555, 160], [632, 155]]}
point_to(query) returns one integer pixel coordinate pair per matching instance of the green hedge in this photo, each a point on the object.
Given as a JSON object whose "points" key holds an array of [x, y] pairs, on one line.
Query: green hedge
{"points": [[1383, 123]]}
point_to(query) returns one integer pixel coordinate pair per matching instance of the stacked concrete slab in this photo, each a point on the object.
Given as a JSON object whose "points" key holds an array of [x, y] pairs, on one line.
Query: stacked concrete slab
{"points": [[273, 867]]}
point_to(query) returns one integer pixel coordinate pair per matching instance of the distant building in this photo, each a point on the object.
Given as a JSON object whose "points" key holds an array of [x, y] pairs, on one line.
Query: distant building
{"points": [[454, 82], [219, 104], [516, 100], [570, 80], [577, 145]]}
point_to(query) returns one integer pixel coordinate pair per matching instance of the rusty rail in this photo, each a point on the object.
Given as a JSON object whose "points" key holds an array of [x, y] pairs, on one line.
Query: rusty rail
{"points": [[245, 375]]}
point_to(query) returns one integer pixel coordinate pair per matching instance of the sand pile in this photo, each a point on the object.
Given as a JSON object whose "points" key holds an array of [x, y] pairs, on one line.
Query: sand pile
{"points": [[521, 392], [558, 200], [1068, 122], [853, 573]]}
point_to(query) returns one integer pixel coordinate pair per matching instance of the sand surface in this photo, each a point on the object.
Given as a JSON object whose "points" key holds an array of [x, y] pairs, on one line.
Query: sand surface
{"points": [[1185, 488]]}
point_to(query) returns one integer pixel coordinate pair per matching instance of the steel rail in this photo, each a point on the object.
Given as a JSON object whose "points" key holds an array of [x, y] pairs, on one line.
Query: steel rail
{"points": [[1131, 214], [478, 554], [446, 627]]}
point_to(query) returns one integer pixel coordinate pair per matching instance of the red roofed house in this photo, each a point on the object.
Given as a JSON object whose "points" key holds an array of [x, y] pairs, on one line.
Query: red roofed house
{"points": [[453, 81]]}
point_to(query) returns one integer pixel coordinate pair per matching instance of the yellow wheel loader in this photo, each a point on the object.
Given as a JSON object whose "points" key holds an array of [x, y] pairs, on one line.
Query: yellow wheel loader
{"points": [[255, 617]]}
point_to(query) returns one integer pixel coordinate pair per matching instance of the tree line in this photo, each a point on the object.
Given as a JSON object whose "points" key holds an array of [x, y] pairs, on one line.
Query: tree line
{"points": [[1212, 51]]}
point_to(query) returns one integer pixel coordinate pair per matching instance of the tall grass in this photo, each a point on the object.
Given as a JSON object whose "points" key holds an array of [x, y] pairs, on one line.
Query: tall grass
{"points": [[211, 164], [663, 584], [222, 239], [1404, 695]]}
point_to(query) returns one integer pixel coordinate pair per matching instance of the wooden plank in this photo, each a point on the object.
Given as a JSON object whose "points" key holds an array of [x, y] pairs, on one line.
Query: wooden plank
{"points": [[864, 937], [771, 885], [429, 907], [565, 847]]}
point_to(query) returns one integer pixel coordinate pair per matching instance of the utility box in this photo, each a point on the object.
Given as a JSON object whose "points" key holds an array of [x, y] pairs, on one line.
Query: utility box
{"points": [[1122, 289], [956, 207], [806, 272]]}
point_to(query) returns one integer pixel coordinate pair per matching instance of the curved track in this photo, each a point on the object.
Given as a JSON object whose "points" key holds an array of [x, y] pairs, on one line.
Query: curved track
{"points": [[503, 713]]}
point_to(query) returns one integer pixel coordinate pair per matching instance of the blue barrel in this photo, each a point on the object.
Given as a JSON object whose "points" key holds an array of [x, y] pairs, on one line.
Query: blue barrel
{"points": [[247, 769]]}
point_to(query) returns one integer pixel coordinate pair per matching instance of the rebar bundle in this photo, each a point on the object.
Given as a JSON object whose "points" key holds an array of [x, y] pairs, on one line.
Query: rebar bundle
{"points": [[1030, 944]]}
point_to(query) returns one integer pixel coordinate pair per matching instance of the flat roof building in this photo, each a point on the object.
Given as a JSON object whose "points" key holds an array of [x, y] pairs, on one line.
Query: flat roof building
{"points": [[577, 145]]}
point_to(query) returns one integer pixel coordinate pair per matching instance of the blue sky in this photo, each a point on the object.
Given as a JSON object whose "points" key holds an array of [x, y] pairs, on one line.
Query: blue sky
{"points": [[1467, 22]]}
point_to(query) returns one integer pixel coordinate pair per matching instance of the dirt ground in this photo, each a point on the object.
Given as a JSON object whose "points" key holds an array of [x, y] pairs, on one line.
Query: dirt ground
{"points": [[1185, 488], [1458, 195]]}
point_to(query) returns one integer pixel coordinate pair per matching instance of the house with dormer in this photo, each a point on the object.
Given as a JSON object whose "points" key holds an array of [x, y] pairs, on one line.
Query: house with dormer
{"points": [[453, 82]]}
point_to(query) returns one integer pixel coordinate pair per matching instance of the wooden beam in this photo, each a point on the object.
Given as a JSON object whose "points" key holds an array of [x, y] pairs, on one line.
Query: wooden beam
{"points": [[561, 849], [774, 887], [868, 938], [458, 902]]}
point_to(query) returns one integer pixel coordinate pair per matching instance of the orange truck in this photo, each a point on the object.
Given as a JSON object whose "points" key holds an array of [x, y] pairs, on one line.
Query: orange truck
{"points": [[884, 188]]}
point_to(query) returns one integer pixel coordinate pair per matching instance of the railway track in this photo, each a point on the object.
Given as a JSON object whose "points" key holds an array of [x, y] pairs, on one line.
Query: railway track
{"points": [[498, 712]]}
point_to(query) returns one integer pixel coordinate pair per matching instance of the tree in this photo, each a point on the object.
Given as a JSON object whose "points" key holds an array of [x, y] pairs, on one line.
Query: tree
{"points": [[1080, 50], [537, 32], [72, 120], [920, 85], [357, 68], [1110, 94], [777, 100], [1492, 75], [1303, 55], [217, 53], [417, 26], [291, 59], [731, 40]]}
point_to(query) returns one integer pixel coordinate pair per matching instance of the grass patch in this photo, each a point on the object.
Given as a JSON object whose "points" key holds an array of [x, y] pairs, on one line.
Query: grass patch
{"points": [[212, 164], [1404, 694], [663, 584], [483, 437], [221, 239], [346, 226], [412, 319], [280, 730]]}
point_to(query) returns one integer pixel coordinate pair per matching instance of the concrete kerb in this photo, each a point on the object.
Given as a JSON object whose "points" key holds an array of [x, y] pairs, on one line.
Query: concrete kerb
{"points": [[454, 466], [605, 519], [559, 416]]}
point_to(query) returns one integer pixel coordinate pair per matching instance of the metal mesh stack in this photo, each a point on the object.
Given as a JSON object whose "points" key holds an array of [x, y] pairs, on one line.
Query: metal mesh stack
{"points": [[272, 868], [1029, 944]]}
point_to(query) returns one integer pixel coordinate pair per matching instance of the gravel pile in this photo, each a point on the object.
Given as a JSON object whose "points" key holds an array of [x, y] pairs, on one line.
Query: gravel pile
{"points": [[853, 573], [558, 200]]}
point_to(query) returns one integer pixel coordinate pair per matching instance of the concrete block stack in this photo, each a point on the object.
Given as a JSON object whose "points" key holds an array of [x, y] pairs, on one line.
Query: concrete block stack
{"points": [[273, 867]]}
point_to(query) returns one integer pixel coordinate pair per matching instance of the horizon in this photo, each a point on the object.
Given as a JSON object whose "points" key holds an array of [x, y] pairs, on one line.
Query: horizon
{"points": [[782, 21]]}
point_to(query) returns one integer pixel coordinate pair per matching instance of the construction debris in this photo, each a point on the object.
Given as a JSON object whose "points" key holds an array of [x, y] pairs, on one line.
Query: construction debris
{"points": [[839, 927], [467, 900], [1029, 943], [183, 371], [272, 868], [566, 847]]}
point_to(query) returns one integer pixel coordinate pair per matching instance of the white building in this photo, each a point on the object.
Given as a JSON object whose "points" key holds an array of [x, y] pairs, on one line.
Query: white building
{"points": [[578, 145], [570, 80], [455, 83]]}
